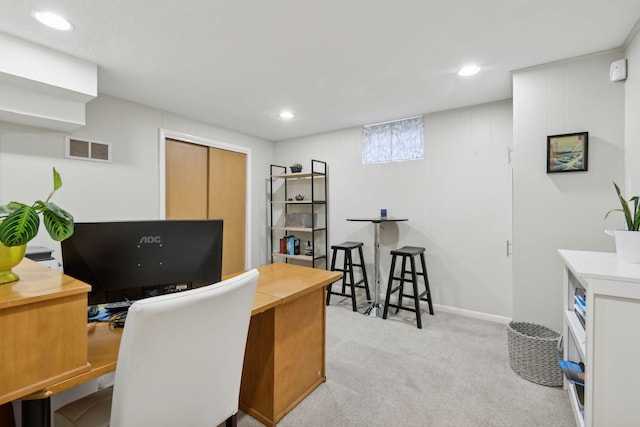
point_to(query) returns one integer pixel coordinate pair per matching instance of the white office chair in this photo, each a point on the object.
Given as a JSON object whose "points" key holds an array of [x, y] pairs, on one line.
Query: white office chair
{"points": [[180, 361]]}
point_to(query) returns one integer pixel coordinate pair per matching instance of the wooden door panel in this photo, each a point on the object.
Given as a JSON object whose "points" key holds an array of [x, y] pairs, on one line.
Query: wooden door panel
{"points": [[227, 200], [186, 179]]}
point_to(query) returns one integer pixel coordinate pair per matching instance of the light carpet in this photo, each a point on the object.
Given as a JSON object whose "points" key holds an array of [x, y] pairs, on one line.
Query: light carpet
{"points": [[453, 372]]}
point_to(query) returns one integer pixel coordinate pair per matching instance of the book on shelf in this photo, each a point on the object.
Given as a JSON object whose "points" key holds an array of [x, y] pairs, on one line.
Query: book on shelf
{"points": [[293, 246], [580, 391], [573, 371], [284, 244], [580, 315], [580, 395], [580, 304]]}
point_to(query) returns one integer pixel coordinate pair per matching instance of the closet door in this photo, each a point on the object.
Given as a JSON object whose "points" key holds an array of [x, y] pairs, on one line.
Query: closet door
{"points": [[227, 200], [209, 183], [186, 177]]}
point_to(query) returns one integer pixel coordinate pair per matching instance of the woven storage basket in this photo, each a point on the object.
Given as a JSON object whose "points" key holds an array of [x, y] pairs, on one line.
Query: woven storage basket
{"points": [[534, 351]]}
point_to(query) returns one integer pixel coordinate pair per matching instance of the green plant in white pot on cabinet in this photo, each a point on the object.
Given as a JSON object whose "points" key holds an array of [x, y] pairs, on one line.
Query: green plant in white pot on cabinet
{"points": [[627, 241], [19, 224]]}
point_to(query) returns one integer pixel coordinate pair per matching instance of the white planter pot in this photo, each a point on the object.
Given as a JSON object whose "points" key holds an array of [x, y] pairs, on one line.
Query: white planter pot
{"points": [[627, 245]]}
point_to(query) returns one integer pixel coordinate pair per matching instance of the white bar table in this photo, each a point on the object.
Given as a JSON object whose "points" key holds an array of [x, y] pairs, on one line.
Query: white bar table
{"points": [[375, 307]]}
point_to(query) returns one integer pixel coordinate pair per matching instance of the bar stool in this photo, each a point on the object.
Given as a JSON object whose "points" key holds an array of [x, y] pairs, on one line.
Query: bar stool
{"points": [[347, 272], [408, 252]]}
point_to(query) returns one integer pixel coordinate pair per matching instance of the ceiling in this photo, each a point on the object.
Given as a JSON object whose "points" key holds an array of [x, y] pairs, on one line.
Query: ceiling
{"points": [[335, 63]]}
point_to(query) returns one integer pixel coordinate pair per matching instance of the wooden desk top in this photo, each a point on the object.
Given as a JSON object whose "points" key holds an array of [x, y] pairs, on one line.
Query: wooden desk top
{"points": [[289, 281], [38, 283], [277, 284], [263, 302]]}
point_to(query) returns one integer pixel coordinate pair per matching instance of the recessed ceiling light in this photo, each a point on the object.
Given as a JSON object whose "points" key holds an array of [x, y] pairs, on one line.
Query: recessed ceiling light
{"points": [[53, 20], [468, 70], [286, 115]]}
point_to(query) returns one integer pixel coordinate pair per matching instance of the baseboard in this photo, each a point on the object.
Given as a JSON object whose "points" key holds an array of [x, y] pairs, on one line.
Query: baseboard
{"points": [[473, 314]]}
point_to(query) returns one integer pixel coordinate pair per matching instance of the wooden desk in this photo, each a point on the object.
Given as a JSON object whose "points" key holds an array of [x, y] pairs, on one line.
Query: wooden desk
{"points": [[285, 355], [103, 346], [43, 334]]}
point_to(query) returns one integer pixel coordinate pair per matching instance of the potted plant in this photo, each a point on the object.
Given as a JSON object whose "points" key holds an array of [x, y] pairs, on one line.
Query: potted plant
{"points": [[19, 223], [627, 241], [296, 167]]}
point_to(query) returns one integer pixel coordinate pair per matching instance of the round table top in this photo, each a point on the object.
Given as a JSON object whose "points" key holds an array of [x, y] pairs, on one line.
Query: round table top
{"points": [[378, 219]]}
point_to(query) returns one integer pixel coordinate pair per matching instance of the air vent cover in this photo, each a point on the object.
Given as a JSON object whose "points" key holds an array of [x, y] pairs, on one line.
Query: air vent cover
{"points": [[87, 150]]}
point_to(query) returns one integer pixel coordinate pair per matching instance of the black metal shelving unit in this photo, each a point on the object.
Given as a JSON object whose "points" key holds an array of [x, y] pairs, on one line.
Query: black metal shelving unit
{"points": [[283, 202]]}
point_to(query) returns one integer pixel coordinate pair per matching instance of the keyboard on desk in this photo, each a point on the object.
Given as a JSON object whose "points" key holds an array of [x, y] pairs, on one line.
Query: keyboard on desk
{"points": [[117, 320], [118, 306], [115, 313]]}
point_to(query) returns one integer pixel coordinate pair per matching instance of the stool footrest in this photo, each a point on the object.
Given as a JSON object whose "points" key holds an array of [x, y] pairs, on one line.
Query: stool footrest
{"points": [[342, 270], [401, 307], [356, 284], [342, 294], [409, 279]]}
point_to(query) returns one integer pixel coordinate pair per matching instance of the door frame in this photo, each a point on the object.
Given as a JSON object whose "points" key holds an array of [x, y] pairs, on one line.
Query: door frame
{"points": [[180, 136]]}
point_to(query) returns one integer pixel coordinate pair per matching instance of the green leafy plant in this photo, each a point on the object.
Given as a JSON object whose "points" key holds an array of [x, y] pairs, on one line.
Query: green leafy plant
{"points": [[296, 167], [631, 216], [19, 222]]}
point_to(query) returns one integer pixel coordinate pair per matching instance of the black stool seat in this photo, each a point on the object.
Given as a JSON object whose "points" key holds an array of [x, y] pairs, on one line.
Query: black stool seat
{"points": [[408, 250], [409, 276], [348, 279], [347, 245]]}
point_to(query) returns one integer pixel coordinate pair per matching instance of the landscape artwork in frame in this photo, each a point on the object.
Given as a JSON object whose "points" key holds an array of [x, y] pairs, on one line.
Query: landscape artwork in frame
{"points": [[568, 152]]}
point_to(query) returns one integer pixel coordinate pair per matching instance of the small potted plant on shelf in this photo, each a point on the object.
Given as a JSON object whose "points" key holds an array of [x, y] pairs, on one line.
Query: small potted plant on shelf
{"points": [[627, 241], [296, 167], [19, 224]]}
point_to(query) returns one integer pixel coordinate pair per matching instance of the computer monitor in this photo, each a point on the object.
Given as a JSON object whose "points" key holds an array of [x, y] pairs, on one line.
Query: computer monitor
{"points": [[130, 260]]}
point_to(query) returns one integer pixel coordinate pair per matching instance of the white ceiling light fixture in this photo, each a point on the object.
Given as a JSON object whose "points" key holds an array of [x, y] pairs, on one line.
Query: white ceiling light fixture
{"points": [[287, 115], [468, 70], [53, 20]]}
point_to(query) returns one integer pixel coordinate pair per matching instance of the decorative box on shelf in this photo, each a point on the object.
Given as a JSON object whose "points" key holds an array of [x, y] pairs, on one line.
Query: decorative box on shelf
{"points": [[301, 219]]}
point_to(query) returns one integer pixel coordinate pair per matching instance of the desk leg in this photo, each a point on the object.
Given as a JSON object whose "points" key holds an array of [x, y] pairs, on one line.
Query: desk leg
{"points": [[375, 309], [6, 415], [36, 413]]}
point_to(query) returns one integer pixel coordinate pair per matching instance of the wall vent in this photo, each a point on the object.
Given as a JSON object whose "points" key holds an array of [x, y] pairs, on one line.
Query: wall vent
{"points": [[87, 150]]}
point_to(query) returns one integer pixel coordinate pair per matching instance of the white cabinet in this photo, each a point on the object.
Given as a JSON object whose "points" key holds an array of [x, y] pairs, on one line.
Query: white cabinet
{"points": [[299, 208], [609, 342]]}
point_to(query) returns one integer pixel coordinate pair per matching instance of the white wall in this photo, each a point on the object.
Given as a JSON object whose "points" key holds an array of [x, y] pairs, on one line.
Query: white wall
{"points": [[562, 210], [449, 198], [127, 188], [632, 121], [551, 211]]}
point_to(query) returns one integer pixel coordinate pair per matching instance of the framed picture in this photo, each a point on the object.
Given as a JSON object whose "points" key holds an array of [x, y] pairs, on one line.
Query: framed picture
{"points": [[568, 152]]}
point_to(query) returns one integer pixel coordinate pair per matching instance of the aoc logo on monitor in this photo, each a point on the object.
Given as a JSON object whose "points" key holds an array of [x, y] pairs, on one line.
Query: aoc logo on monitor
{"points": [[150, 239]]}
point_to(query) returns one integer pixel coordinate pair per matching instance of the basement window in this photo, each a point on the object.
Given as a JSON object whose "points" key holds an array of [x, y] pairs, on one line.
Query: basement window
{"points": [[394, 141]]}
